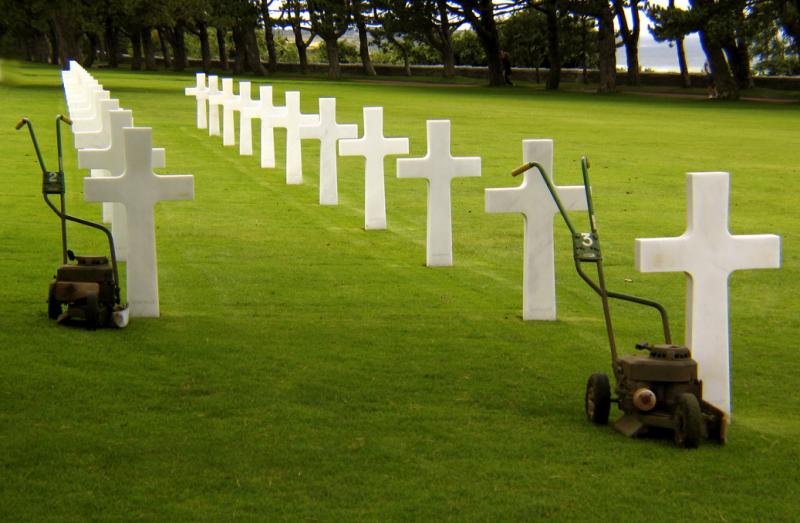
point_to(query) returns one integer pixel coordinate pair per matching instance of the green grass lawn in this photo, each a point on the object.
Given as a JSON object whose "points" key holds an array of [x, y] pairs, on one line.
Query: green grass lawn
{"points": [[303, 368]]}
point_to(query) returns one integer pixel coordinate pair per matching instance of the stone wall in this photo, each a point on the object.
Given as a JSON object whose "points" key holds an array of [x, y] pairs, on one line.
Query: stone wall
{"points": [[787, 83]]}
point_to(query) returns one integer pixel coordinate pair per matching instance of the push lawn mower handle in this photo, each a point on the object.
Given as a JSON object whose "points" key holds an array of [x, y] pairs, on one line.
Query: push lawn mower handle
{"points": [[530, 165], [21, 123], [64, 119], [522, 168]]}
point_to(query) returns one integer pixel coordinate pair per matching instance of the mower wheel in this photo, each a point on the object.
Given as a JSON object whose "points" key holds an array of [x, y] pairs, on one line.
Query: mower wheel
{"points": [[53, 305], [92, 311], [688, 421], [598, 398]]}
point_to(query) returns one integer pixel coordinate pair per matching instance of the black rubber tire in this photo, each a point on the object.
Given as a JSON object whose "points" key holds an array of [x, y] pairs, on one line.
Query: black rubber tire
{"points": [[688, 421], [597, 402], [53, 305], [92, 311]]}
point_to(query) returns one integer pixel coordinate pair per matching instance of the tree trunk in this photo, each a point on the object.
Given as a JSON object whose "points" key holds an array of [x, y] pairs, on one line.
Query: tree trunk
{"points": [[607, 49], [720, 72], [553, 46], [205, 46], [162, 39], [448, 57], [112, 43], [363, 46], [253, 56], [269, 38], [94, 45], [686, 80], [739, 60], [486, 30], [223, 52], [239, 51], [68, 34], [136, 44], [446, 39], [302, 53], [179, 47], [584, 52], [630, 37], [332, 48], [632, 58], [55, 52], [148, 49]]}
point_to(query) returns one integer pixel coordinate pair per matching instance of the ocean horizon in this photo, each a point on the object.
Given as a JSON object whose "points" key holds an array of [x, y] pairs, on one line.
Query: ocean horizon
{"points": [[660, 57]]}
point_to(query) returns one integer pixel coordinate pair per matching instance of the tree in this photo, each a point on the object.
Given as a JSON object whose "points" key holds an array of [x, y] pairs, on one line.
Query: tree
{"points": [[606, 44], [717, 23], [359, 7], [630, 35], [269, 35], [468, 50], [428, 21], [391, 33], [26, 25], [294, 14], [552, 11], [481, 16], [330, 20], [774, 50]]}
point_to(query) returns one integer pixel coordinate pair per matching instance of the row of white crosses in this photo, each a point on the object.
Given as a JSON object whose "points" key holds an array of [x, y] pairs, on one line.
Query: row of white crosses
{"points": [[438, 167], [707, 252], [109, 145]]}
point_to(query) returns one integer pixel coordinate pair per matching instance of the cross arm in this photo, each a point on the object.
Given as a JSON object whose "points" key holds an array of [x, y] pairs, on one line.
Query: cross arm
{"points": [[663, 254]]}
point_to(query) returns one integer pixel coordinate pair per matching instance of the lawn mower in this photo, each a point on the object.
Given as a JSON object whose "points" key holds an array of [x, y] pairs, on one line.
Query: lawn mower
{"points": [[88, 288], [658, 392]]}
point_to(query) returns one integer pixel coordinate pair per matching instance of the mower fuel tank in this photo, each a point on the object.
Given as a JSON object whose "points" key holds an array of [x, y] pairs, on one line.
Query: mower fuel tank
{"points": [[667, 363], [88, 270]]}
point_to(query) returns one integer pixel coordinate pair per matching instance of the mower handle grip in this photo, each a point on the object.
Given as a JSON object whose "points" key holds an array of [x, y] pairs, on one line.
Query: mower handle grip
{"points": [[65, 119], [21, 123], [521, 169]]}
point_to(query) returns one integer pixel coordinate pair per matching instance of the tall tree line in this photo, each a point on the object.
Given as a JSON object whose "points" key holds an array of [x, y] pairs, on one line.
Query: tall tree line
{"points": [[546, 33]]}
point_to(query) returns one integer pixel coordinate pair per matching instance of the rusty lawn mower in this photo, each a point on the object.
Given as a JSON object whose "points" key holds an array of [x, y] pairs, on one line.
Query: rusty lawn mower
{"points": [[86, 291], [656, 392]]}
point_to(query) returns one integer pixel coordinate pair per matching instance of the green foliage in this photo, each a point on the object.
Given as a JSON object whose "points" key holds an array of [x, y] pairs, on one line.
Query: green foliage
{"points": [[524, 37], [423, 54], [774, 54], [286, 50], [348, 53], [467, 48], [306, 369]]}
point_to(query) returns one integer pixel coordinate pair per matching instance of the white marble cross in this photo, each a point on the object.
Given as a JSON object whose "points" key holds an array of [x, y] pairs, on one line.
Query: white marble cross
{"points": [[708, 253], [246, 107], [374, 147], [89, 119], [99, 135], [83, 102], [111, 159], [263, 110], [213, 109], [439, 168], [291, 119], [200, 92], [229, 102], [534, 201], [139, 189], [79, 92], [328, 132]]}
